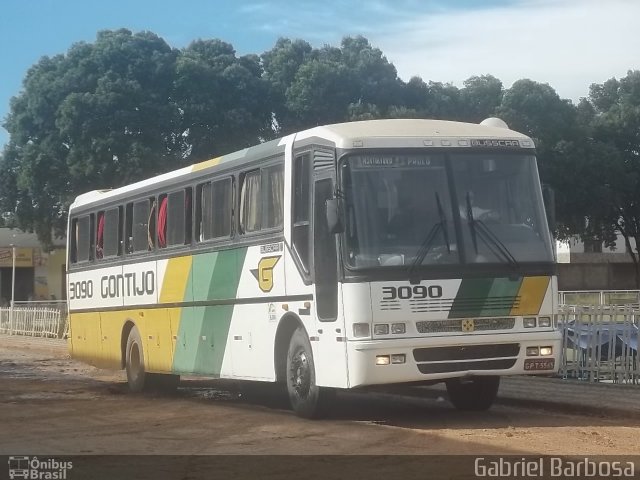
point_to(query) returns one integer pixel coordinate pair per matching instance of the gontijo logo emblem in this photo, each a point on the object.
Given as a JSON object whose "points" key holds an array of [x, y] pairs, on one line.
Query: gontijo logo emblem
{"points": [[264, 272]]}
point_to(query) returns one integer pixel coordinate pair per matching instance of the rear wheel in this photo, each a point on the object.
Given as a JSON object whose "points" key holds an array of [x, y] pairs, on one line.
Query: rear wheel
{"points": [[473, 394], [306, 398], [138, 378]]}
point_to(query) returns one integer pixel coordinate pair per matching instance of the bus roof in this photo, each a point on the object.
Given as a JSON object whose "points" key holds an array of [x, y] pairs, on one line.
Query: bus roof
{"points": [[343, 135], [410, 128]]}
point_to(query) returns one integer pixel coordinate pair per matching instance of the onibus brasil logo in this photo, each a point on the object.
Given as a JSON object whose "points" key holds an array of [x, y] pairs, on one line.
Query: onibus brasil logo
{"points": [[33, 468]]}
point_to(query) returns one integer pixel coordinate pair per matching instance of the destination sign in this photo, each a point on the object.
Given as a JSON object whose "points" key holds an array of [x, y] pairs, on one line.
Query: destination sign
{"points": [[394, 161]]}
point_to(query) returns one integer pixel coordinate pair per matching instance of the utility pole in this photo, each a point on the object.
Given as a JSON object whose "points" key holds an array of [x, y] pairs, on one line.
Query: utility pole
{"points": [[13, 287]]}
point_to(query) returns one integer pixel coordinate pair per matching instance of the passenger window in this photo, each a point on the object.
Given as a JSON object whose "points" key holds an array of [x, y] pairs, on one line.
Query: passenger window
{"points": [[273, 196], [175, 218], [251, 203], [214, 209], [112, 232], [83, 239], [143, 215]]}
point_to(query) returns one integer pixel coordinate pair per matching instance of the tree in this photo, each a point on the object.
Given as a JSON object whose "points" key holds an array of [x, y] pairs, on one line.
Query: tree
{"points": [[328, 85], [223, 100], [97, 117], [480, 97], [615, 128]]}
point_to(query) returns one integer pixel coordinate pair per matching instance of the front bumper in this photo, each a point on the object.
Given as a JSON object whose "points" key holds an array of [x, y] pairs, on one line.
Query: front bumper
{"points": [[469, 355]]}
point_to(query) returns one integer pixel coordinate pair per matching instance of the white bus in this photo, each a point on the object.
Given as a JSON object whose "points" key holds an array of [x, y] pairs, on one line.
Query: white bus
{"points": [[365, 253]]}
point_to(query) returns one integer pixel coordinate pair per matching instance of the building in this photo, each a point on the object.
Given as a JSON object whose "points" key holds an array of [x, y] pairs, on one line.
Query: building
{"points": [[40, 275], [592, 266]]}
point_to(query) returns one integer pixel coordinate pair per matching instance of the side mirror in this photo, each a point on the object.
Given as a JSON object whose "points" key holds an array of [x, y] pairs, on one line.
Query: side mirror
{"points": [[334, 221], [549, 198]]}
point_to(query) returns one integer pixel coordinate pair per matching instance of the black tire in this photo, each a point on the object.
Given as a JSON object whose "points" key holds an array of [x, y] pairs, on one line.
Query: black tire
{"points": [[138, 378], [473, 394], [306, 398], [134, 362]]}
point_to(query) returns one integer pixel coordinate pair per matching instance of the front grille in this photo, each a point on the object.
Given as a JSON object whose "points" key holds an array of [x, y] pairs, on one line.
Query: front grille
{"points": [[475, 305], [466, 352], [500, 364], [480, 324]]}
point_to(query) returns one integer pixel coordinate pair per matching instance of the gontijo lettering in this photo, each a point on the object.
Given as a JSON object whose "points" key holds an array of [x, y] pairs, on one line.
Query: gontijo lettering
{"points": [[130, 284]]}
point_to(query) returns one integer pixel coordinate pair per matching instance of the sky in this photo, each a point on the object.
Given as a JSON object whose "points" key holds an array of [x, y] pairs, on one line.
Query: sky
{"points": [[568, 44]]}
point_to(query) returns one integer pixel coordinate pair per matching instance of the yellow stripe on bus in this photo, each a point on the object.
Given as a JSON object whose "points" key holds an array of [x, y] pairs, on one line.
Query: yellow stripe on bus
{"points": [[206, 164], [531, 293], [175, 279]]}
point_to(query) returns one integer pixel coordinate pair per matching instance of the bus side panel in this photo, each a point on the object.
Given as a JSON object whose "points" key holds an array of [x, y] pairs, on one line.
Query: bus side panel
{"points": [[111, 325], [261, 290], [156, 337], [202, 338], [84, 335]]}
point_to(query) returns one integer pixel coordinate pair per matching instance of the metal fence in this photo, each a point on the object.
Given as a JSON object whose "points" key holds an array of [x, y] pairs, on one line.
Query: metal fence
{"points": [[37, 319], [600, 343]]}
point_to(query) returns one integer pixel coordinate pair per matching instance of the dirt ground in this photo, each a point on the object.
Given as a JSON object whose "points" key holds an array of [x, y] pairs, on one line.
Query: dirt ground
{"points": [[52, 405]]}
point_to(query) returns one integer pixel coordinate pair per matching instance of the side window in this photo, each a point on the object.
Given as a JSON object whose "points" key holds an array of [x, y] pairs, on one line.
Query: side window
{"points": [[83, 239], [175, 219], [100, 236], [222, 208], [111, 232], [250, 203], [214, 209], [141, 228], [204, 212], [273, 196], [163, 201], [301, 208]]}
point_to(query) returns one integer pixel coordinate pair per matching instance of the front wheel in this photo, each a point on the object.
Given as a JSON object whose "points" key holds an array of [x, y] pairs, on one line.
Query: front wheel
{"points": [[473, 394], [306, 398]]}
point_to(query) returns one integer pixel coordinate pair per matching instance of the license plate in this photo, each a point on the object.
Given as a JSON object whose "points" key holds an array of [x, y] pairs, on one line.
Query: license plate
{"points": [[539, 364]]}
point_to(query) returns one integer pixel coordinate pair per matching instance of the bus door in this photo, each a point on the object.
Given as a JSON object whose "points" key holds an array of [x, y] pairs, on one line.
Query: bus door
{"points": [[331, 361]]}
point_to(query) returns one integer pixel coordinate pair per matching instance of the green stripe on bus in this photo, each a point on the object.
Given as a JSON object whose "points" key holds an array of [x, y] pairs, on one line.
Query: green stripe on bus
{"points": [[485, 297], [203, 331], [501, 297]]}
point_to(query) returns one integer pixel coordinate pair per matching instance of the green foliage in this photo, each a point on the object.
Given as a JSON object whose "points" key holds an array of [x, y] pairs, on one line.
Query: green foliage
{"points": [[128, 106]]}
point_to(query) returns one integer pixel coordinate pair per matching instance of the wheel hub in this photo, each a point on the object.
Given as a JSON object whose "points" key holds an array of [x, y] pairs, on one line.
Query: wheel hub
{"points": [[300, 374]]}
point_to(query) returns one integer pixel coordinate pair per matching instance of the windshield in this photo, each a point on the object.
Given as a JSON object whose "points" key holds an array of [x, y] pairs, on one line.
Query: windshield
{"points": [[403, 209]]}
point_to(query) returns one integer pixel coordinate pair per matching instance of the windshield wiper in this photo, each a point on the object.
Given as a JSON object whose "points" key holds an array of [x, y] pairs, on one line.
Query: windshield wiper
{"points": [[490, 239], [428, 241]]}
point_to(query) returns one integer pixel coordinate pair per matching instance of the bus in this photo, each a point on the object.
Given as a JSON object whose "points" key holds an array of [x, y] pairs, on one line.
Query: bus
{"points": [[368, 253]]}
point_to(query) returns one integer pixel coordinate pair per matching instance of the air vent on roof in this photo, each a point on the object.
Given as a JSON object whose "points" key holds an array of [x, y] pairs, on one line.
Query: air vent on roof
{"points": [[494, 122]]}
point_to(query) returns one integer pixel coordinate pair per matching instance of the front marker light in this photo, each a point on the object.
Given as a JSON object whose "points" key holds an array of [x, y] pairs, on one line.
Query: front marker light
{"points": [[360, 330], [533, 351], [544, 322], [381, 329], [529, 322], [398, 328], [546, 351], [382, 359]]}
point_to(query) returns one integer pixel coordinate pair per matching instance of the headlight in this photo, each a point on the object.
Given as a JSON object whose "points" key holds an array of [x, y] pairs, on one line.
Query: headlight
{"points": [[382, 359], [398, 328], [546, 351], [533, 351], [529, 322], [544, 322], [381, 329], [360, 330]]}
